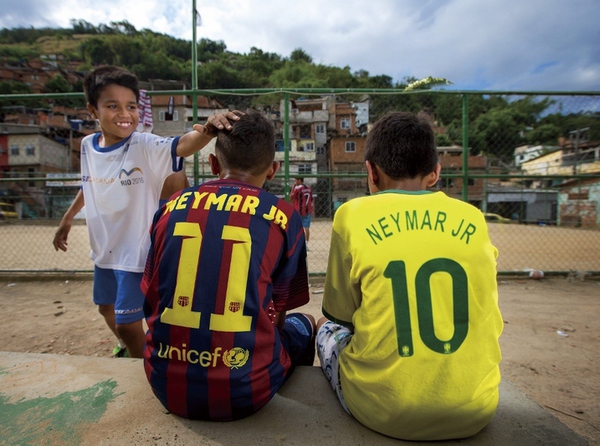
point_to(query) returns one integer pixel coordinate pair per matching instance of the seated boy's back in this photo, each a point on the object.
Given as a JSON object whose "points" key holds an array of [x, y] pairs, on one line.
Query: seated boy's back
{"points": [[413, 274], [227, 261]]}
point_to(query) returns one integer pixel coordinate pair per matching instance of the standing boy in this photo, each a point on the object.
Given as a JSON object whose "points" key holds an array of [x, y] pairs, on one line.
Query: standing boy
{"points": [[411, 287], [227, 260], [122, 173], [303, 202]]}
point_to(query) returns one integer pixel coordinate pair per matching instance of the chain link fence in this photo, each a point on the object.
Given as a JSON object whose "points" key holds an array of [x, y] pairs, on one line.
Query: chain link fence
{"points": [[529, 161]]}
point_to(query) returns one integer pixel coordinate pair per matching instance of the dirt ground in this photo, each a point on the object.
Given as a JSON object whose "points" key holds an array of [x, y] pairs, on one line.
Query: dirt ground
{"points": [[550, 343]]}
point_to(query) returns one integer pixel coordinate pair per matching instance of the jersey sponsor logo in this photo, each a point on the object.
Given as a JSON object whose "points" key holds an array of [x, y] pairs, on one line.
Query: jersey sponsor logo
{"points": [[89, 179], [233, 358], [246, 204], [131, 181], [128, 173], [413, 220]]}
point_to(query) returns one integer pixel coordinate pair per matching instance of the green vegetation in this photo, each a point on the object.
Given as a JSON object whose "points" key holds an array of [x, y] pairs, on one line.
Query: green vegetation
{"points": [[497, 124]]}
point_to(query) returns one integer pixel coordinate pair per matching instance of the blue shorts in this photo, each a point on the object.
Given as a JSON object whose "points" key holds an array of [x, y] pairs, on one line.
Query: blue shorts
{"points": [[306, 220], [121, 289], [298, 339]]}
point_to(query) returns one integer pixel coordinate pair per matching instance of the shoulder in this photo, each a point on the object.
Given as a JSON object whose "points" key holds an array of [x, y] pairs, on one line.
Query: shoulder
{"points": [[150, 140], [89, 139], [464, 207], [285, 206]]}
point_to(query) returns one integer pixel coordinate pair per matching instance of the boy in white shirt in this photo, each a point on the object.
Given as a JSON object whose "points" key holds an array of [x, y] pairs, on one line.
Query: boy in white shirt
{"points": [[122, 174]]}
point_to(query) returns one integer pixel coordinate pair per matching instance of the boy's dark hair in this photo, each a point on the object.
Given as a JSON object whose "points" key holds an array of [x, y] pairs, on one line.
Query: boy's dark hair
{"points": [[100, 78], [249, 145], [402, 144]]}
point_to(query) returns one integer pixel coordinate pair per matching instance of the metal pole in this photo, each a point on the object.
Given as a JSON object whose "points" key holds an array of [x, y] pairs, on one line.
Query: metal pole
{"points": [[286, 144], [195, 86], [465, 143]]}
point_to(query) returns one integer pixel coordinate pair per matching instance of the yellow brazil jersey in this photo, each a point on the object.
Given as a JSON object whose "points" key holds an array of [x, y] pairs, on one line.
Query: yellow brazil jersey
{"points": [[415, 274]]}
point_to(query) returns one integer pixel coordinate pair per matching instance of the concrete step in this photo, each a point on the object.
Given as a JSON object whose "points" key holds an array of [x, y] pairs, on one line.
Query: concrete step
{"points": [[79, 400]]}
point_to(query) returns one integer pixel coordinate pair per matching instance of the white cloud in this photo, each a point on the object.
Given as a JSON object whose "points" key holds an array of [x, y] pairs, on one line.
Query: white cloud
{"points": [[508, 44]]}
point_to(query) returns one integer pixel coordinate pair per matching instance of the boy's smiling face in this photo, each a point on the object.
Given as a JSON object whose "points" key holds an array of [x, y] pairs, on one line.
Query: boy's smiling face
{"points": [[117, 112]]}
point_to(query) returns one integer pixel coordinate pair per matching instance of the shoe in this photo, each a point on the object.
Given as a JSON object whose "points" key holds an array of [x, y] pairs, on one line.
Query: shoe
{"points": [[120, 352]]}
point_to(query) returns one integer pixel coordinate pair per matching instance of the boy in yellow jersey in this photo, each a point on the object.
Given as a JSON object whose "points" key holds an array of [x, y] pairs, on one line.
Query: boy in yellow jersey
{"points": [[410, 338]]}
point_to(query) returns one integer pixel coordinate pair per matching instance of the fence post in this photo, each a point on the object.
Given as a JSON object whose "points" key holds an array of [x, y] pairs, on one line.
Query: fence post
{"points": [[286, 145], [195, 87], [465, 144]]}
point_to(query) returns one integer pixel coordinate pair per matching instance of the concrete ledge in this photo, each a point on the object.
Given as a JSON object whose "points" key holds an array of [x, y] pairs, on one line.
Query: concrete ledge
{"points": [[72, 400]]}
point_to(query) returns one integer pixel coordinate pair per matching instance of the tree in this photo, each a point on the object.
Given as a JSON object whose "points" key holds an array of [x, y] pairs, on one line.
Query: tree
{"points": [[442, 140], [97, 51], [299, 54], [58, 84], [217, 75], [209, 49], [496, 132], [543, 134], [15, 87]]}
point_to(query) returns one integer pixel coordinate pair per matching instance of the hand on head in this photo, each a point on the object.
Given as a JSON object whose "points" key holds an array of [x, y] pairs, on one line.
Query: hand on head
{"points": [[218, 121]]}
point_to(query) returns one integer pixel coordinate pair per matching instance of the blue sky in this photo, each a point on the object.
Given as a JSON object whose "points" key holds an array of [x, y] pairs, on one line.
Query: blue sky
{"points": [[514, 45]]}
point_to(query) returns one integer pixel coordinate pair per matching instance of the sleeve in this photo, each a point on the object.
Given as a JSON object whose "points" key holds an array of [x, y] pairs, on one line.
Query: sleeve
{"points": [[290, 284], [150, 260], [342, 294], [294, 194], [162, 154]]}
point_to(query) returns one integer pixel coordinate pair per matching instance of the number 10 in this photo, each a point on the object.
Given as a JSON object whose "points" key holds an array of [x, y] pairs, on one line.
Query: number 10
{"points": [[396, 271]]}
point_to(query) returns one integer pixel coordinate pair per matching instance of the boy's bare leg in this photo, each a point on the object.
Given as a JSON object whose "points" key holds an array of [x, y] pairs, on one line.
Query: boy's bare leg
{"points": [[108, 313], [134, 338], [311, 319], [132, 335], [321, 321]]}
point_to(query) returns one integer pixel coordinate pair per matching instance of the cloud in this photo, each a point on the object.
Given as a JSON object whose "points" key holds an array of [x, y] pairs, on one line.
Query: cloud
{"points": [[493, 44]]}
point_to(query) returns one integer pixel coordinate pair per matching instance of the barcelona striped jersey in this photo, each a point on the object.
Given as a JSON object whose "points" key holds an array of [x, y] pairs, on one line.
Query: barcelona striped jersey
{"points": [[225, 257]]}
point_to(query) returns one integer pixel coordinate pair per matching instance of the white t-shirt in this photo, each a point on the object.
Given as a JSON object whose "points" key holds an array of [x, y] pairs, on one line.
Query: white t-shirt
{"points": [[121, 188]]}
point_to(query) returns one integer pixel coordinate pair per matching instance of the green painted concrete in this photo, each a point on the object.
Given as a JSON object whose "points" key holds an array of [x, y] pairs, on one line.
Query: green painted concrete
{"points": [[54, 420]]}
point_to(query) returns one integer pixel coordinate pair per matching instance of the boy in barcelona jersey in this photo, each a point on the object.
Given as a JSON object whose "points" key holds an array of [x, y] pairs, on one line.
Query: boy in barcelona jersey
{"points": [[409, 341], [227, 261]]}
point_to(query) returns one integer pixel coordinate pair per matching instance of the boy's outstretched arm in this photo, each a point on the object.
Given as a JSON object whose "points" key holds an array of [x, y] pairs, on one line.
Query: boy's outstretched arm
{"points": [[60, 237], [195, 140]]}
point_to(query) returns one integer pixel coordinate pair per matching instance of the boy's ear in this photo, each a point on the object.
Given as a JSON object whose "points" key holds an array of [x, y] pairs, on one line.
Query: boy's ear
{"points": [[372, 173], [434, 176], [91, 110], [272, 170], [215, 167]]}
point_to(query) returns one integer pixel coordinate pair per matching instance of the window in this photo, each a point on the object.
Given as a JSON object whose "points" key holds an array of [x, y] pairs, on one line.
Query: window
{"points": [[309, 147], [471, 182], [166, 116], [350, 146], [447, 182], [320, 150], [304, 132], [30, 150], [345, 123], [319, 128], [14, 150], [304, 168]]}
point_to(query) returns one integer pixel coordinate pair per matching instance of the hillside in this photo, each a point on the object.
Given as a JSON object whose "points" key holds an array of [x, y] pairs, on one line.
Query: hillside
{"points": [[153, 55]]}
